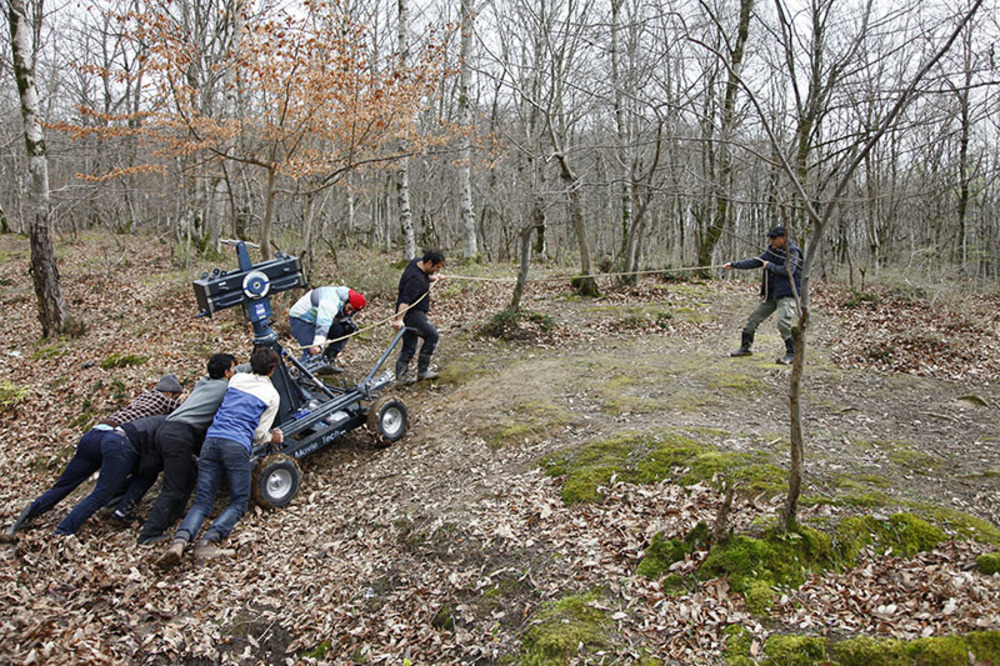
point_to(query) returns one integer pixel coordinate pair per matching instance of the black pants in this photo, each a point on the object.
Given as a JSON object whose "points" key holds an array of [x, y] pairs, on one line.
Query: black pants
{"points": [[417, 320], [178, 443]]}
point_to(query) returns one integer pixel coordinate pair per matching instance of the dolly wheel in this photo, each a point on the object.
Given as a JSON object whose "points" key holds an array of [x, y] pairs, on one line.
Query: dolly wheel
{"points": [[275, 481], [387, 419]]}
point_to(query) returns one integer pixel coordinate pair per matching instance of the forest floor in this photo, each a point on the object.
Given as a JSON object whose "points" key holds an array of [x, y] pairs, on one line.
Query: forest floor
{"points": [[456, 544]]}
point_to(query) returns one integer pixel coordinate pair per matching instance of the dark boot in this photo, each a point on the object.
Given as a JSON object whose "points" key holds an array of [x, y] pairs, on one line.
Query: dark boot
{"points": [[745, 343], [22, 521], [402, 373], [789, 356], [331, 355], [424, 368]]}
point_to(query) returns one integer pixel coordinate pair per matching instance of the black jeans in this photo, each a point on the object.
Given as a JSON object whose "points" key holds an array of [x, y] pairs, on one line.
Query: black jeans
{"points": [[422, 328], [178, 443]]}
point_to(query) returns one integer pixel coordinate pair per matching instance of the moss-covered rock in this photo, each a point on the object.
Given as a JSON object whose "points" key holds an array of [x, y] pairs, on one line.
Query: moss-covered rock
{"points": [[988, 563], [794, 650], [978, 647], [868, 651], [563, 629], [660, 554]]}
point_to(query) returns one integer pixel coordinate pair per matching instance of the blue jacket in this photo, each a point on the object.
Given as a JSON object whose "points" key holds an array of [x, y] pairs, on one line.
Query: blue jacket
{"points": [[774, 283]]}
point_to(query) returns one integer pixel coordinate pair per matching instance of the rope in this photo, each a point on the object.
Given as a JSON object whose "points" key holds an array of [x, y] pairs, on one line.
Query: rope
{"points": [[370, 326], [550, 278]]}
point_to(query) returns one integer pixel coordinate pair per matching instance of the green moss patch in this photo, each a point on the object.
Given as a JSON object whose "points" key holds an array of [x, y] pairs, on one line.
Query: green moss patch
{"points": [[123, 361], [962, 524], [651, 458], [978, 647], [988, 563], [902, 534], [11, 394], [773, 559], [660, 554], [528, 424], [564, 629]]}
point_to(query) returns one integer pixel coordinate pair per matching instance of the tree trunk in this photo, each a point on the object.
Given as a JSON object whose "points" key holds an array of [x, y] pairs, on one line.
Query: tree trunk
{"points": [[409, 242], [585, 284], [470, 246], [44, 271], [525, 263], [727, 124], [265, 229]]}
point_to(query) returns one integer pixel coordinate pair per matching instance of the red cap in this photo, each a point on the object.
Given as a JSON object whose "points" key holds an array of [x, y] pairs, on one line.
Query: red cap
{"points": [[357, 301]]}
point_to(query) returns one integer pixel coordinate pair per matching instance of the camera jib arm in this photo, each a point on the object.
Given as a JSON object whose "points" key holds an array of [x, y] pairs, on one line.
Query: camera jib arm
{"points": [[250, 287]]}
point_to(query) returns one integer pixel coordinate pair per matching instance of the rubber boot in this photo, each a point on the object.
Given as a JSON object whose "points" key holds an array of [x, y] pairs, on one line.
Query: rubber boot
{"points": [[789, 356], [172, 557], [330, 357], [22, 521], [424, 368], [402, 373], [745, 343], [208, 549]]}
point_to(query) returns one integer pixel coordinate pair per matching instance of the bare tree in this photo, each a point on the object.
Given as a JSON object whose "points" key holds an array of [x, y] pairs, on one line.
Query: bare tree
{"points": [[469, 246], [24, 31]]}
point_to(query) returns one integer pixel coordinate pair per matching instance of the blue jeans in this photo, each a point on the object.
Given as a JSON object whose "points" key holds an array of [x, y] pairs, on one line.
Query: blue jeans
{"points": [[219, 458], [118, 458], [85, 461], [417, 320], [304, 333]]}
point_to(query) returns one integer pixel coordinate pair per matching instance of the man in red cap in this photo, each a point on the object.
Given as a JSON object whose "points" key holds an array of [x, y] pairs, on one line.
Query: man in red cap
{"points": [[325, 313]]}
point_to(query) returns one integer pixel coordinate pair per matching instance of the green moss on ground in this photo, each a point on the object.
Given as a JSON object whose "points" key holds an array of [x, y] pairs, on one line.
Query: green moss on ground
{"points": [[660, 554], [963, 524], [791, 650], [122, 361], [903, 533], [651, 458], [978, 647], [529, 423], [988, 563], [564, 629], [773, 559], [11, 394]]}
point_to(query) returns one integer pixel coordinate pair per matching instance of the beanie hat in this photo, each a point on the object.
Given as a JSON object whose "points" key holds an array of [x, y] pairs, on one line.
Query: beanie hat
{"points": [[357, 301], [169, 384]]}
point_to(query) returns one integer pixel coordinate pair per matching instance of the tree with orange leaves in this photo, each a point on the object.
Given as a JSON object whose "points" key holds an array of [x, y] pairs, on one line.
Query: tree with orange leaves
{"points": [[306, 98]]}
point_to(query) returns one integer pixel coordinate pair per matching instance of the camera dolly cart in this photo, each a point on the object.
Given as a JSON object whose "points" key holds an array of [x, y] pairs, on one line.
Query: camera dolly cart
{"points": [[312, 414]]}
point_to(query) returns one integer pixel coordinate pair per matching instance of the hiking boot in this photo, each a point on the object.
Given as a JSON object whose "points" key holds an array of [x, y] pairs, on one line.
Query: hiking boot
{"points": [[172, 557], [209, 550], [424, 368], [745, 344], [22, 521], [789, 356]]}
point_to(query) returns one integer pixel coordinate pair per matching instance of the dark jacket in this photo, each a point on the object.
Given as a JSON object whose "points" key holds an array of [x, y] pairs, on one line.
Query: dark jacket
{"points": [[774, 283], [413, 284]]}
